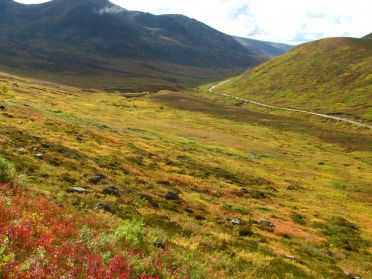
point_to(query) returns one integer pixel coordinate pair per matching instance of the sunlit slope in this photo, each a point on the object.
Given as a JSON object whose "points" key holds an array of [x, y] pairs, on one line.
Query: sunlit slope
{"points": [[254, 194], [331, 75]]}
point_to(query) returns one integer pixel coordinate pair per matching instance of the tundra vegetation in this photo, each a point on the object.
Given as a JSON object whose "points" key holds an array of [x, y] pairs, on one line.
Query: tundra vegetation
{"points": [[331, 76], [174, 185]]}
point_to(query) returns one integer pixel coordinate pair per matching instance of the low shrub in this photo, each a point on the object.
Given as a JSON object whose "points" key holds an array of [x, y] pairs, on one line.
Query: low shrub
{"points": [[131, 231], [7, 171], [4, 89]]}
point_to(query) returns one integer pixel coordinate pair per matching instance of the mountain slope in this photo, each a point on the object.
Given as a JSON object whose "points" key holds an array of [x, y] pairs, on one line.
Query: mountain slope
{"points": [[331, 76], [95, 38], [369, 36], [267, 49]]}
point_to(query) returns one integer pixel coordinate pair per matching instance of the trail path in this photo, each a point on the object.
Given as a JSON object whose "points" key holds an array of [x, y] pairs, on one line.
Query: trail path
{"points": [[213, 88]]}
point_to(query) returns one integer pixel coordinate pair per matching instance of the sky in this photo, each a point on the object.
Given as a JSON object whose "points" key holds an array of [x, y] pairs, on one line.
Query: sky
{"points": [[286, 21]]}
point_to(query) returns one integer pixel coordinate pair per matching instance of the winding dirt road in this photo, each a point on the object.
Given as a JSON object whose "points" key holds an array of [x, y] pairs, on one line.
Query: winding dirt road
{"points": [[213, 88]]}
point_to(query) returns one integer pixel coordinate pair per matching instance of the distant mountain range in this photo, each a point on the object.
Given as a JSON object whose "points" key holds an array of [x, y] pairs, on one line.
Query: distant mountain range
{"points": [[96, 43], [266, 49], [331, 75]]}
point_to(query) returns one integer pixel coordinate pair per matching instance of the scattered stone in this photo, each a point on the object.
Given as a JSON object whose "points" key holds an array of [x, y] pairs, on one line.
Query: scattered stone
{"points": [[352, 275], [78, 190], [160, 244], [254, 156], [2, 107], [243, 191], [105, 207], [196, 189], [112, 190], [21, 150], [266, 224], [39, 156], [199, 218], [289, 257], [215, 193], [65, 177], [172, 196], [96, 178], [45, 145], [236, 222]]}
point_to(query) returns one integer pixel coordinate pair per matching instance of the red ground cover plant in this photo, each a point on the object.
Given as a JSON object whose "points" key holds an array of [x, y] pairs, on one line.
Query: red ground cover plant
{"points": [[41, 239]]}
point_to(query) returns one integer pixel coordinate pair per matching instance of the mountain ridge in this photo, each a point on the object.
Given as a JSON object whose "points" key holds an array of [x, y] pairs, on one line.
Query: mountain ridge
{"points": [[265, 48], [65, 34]]}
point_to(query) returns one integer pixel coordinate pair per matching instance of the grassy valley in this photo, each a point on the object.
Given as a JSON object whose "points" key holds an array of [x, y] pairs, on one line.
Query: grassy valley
{"points": [[330, 76], [178, 185]]}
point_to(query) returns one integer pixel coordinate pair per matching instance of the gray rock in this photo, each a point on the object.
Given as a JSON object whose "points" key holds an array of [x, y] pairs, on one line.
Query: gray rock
{"points": [[96, 178], [215, 193], [112, 190], [45, 145], [265, 223], [105, 207], [78, 190], [21, 150], [289, 257], [199, 218], [39, 156], [236, 222], [172, 196], [352, 275]]}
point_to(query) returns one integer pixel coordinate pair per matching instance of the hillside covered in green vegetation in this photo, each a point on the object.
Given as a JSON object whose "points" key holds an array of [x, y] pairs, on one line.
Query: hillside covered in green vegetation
{"points": [[173, 185], [331, 76]]}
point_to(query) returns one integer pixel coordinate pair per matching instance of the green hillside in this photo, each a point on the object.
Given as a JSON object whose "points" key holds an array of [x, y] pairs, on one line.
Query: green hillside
{"points": [[369, 36], [330, 76]]}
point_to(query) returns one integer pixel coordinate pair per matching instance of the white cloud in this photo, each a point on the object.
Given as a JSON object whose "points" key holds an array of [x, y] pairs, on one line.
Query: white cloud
{"points": [[290, 21], [111, 10]]}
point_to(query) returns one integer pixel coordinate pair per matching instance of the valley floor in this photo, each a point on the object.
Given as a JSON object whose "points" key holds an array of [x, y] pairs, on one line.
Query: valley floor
{"points": [[257, 194]]}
